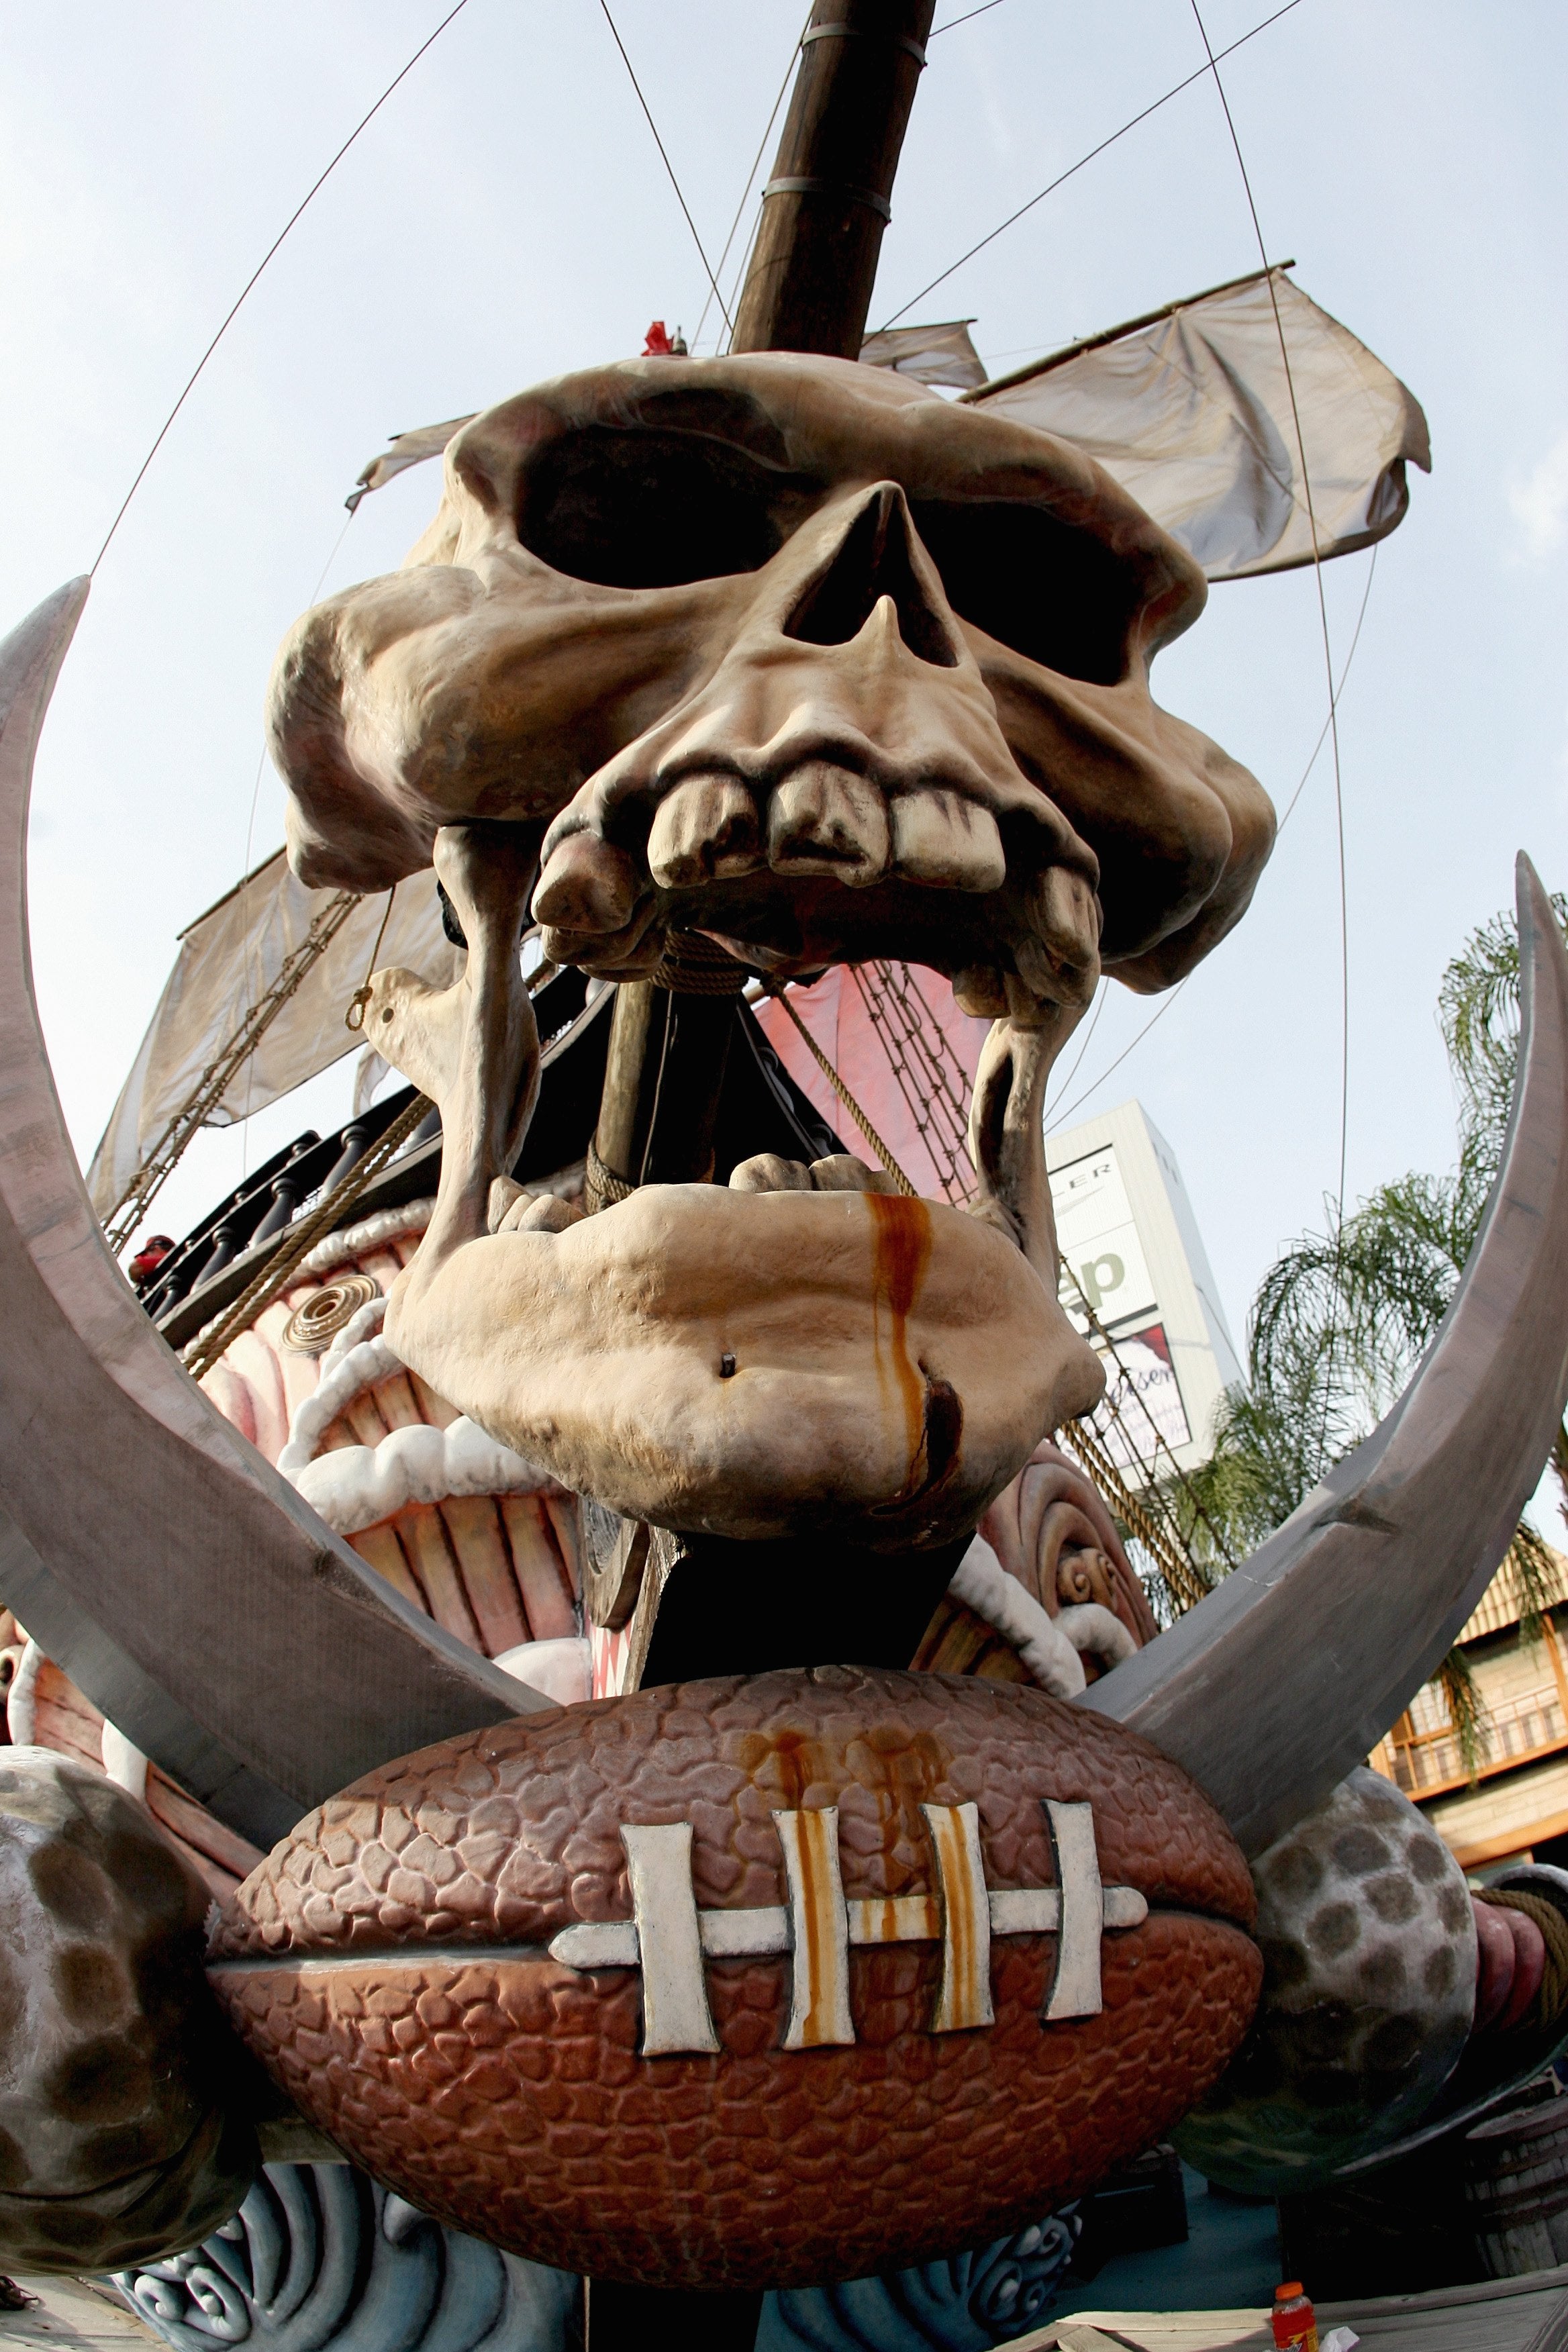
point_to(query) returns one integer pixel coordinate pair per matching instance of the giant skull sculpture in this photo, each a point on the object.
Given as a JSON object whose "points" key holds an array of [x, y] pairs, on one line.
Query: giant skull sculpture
{"points": [[796, 653], [658, 587]]}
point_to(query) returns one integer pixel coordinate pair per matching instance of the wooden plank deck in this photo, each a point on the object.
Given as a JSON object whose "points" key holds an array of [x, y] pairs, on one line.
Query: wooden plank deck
{"points": [[74, 2316], [1521, 2315]]}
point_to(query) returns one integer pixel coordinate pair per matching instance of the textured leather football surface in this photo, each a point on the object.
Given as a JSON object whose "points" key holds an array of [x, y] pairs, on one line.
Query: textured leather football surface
{"points": [[388, 1964]]}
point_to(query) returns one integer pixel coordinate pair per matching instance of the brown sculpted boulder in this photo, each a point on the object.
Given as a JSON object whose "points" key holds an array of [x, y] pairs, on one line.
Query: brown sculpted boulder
{"points": [[114, 2147], [752, 1981]]}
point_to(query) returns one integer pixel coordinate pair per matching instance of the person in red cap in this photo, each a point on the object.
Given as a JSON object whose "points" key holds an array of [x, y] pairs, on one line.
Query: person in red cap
{"points": [[150, 1257]]}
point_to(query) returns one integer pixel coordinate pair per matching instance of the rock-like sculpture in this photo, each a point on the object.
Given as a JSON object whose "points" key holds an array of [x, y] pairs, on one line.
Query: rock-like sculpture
{"points": [[120, 2135], [1369, 1948]]}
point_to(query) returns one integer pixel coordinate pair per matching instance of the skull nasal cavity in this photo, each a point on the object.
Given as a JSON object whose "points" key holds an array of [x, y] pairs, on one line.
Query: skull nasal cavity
{"points": [[873, 560]]}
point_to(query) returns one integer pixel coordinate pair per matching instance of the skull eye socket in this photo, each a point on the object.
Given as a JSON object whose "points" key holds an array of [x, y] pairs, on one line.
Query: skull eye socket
{"points": [[1051, 593], [650, 510]]}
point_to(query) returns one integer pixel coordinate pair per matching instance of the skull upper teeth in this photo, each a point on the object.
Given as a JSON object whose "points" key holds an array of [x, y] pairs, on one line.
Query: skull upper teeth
{"points": [[941, 838], [822, 821], [768, 1172], [705, 830]]}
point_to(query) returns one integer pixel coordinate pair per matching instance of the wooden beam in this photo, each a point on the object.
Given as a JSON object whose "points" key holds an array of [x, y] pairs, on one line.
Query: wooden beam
{"points": [[808, 284]]}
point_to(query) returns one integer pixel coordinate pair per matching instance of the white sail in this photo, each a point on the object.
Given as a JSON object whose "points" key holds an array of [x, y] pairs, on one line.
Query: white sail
{"points": [[407, 449], [940, 354], [1191, 410], [230, 958]]}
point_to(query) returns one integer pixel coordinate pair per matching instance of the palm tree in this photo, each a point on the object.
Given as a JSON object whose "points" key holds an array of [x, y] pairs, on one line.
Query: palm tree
{"points": [[1342, 1319]]}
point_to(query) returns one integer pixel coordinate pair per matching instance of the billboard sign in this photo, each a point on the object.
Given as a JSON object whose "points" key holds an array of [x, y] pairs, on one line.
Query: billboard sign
{"points": [[1106, 1273]]}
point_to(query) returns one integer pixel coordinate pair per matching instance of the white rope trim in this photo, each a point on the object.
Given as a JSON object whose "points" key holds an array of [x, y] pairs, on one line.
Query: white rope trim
{"points": [[362, 1324], [357, 1487], [332, 1249], [562, 1669], [1089, 1626], [985, 1585], [359, 1368], [21, 1719], [124, 1762], [1049, 1646]]}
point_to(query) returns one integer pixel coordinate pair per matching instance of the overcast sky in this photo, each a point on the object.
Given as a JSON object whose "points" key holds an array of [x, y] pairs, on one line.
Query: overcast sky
{"points": [[506, 217]]}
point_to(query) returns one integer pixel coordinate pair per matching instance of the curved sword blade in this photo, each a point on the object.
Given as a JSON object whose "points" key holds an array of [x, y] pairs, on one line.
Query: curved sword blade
{"points": [[1292, 1669], [200, 1603]]}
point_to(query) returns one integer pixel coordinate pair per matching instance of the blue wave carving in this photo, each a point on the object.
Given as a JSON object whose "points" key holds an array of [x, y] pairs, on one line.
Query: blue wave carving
{"points": [[320, 2258]]}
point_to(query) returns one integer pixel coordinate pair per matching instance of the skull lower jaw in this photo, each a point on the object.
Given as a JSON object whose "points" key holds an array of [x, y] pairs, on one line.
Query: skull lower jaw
{"points": [[757, 1364], [735, 1362]]}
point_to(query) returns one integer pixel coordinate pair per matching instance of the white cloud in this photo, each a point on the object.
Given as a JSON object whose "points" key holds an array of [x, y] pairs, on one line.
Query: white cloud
{"points": [[1538, 503]]}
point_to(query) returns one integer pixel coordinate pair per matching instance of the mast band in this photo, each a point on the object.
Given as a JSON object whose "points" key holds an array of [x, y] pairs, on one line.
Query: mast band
{"points": [[864, 33], [808, 187]]}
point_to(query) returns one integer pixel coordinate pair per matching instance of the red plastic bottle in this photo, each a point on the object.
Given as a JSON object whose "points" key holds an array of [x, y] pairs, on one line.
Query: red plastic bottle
{"points": [[1295, 2321]]}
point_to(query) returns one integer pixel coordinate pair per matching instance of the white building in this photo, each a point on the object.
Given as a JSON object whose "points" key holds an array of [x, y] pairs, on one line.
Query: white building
{"points": [[1134, 1256]]}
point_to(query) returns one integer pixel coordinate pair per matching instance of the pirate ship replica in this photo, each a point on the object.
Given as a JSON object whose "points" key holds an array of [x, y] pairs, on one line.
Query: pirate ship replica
{"points": [[595, 1389]]}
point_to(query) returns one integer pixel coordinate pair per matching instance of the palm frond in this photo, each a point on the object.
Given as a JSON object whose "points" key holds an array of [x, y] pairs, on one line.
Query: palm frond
{"points": [[1343, 1315], [1478, 1010], [1466, 1711], [1536, 1571]]}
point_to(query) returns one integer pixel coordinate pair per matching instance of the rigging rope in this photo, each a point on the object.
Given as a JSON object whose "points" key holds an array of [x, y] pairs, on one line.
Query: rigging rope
{"points": [[299, 209], [1146, 1520], [668, 166], [842, 1091], [1161, 1445], [300, 1239], [1333, 718], [750, 177], [936, 1104], [1183, 1582], [160, 1162], [1159, 1014], [1062, 177], [361, 997]]}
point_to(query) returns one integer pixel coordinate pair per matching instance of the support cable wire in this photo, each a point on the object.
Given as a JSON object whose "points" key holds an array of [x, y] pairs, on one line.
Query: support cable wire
{"points": [[219, 1074], [1159, 1014], [1095, 1084], [1334, 720], [1183, 1579], [301, 1238], [1062, 177], [751, 178], [1102, 993], [985, 9], [299, 209], [664, 157]]}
